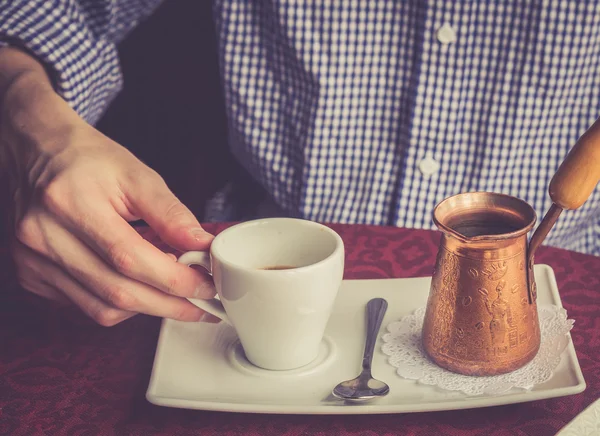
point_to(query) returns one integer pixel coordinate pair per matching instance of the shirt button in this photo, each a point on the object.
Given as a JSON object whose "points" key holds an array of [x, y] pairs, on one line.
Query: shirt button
{"points": [[446, 34], [428, 166]]}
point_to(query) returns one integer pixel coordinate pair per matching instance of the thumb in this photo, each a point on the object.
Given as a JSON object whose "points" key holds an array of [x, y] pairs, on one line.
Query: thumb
{"points": [[176, 225]]}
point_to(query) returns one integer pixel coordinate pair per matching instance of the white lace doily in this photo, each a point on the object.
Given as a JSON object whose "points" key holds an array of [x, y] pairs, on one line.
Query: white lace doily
{"points": [[403, 345]]}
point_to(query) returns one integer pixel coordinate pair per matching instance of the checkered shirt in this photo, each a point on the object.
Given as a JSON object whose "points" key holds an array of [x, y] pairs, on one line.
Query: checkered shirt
{"points": [[369, 111]]}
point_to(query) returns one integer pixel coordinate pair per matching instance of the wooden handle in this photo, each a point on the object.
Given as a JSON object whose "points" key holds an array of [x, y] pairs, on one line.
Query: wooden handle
{"points": [[579, 173]]}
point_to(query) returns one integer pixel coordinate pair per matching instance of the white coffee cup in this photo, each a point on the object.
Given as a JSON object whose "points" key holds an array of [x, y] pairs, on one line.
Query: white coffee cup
{"points": [[279, 315]]}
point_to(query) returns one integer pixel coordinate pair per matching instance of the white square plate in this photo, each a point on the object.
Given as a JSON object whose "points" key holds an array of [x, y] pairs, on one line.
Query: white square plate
{"points": [[202, 366]]}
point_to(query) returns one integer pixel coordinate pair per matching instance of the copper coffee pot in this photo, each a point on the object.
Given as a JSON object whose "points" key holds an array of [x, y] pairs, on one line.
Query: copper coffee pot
{"points": [[481, 316]]}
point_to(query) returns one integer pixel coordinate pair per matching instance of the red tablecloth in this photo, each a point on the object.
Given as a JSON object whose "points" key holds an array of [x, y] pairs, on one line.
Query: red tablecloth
{"points": [[62, 374]]}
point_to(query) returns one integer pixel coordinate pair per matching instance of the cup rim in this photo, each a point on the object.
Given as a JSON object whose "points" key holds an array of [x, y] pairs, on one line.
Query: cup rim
{"points": [[496, 237], [215, 254]]}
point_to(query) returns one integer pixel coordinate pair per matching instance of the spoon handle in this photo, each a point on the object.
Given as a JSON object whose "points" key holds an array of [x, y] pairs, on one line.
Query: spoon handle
{"points": [[375, 311]]}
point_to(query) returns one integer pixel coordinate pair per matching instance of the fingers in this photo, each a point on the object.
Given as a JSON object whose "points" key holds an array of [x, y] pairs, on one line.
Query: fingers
{"points": [[98, 225], [42, 289], [94, 307], [42, 277], [32, 268], [32, 275], [152, 200], [98, 288], [133, 256], [63, 289]]}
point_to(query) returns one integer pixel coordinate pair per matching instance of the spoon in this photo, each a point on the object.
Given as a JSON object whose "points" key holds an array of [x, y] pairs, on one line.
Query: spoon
{"points": [[365, 387]]}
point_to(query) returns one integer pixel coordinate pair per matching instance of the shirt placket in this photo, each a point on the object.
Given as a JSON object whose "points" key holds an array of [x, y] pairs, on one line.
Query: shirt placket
{"points": [[434, 121]]}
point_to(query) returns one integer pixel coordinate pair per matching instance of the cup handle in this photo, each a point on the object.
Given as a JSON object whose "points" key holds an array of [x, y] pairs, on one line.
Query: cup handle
{"points": [[212, 306]]}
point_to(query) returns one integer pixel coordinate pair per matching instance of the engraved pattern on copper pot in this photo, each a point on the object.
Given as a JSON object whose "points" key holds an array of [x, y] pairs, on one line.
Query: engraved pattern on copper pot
{"points": [[479, 319]]}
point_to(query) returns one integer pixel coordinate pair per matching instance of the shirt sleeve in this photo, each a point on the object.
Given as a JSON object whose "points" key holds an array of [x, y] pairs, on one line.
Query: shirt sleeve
{"points": [[76, 41]]}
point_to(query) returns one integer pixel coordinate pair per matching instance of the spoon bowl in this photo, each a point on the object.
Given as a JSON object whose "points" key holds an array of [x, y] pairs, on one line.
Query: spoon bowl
{"points": [[365, 387], [361, 389]]}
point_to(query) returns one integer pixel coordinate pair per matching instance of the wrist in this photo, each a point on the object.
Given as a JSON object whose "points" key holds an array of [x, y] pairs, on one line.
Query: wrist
{"points": [[18, 68], [30, 110]]}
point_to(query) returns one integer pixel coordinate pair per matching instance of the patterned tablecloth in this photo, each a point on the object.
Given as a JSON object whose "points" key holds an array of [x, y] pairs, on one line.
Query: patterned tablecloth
{"points": [[62, 374]]}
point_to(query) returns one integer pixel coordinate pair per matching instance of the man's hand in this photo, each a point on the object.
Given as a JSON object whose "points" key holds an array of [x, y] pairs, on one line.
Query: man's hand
{"points": [[75, 191]]}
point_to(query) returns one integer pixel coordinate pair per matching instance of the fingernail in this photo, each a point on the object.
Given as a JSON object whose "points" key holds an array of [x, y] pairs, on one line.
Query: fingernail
{"points": [[199, 315], [207, 317], [202, 291], [200, 234]]}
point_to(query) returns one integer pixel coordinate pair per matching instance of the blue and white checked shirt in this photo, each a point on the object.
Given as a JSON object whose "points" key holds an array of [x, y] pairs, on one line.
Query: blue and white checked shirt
{"points": [[369, 111]]}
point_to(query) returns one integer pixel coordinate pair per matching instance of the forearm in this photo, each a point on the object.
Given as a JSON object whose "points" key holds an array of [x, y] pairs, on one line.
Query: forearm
{"points": [[75, 41], [29, 107], [15, 63]]}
